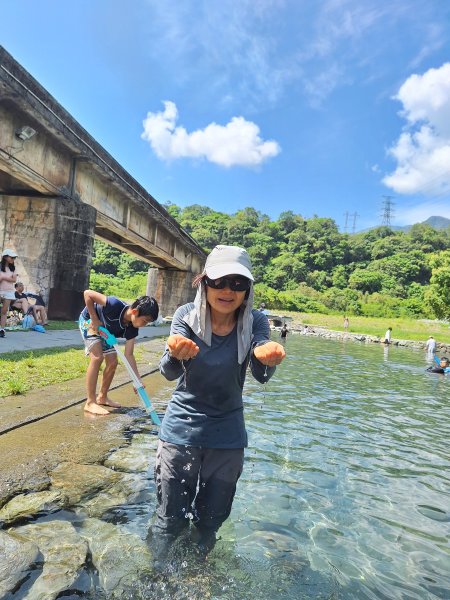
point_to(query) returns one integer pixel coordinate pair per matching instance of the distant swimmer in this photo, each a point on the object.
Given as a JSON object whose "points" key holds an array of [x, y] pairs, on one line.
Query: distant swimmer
{"points": [[444, 366], [283, 332]]}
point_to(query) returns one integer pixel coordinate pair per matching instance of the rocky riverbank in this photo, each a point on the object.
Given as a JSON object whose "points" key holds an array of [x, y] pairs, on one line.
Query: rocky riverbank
{"points": [[62, 471], [361, 337]]}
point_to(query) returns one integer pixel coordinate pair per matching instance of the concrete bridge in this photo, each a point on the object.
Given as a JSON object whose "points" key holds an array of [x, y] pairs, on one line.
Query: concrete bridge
{"points": [[59, 189]]}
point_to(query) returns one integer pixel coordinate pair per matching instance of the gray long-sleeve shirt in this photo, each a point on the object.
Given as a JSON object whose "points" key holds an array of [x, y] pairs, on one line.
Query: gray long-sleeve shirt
{"points": [[206, 408]]}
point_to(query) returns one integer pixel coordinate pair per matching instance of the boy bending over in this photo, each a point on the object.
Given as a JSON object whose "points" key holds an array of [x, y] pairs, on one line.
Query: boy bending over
{"points": [[122, 320]]}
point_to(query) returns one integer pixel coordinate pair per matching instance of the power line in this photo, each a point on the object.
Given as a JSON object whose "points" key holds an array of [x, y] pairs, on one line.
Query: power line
{"points": [[348, 216], [346, 221], [388, 210]]}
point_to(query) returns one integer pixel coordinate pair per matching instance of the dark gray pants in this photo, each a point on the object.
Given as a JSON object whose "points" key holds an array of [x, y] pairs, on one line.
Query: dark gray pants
{"points": [[194, 484]]}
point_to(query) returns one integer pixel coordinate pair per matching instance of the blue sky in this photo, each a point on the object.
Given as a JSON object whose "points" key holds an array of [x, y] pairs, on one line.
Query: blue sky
{"points": [[319, 107]]}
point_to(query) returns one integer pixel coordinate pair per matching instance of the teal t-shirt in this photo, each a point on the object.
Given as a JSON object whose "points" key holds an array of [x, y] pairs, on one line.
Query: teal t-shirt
{"points": [[206, 408]]}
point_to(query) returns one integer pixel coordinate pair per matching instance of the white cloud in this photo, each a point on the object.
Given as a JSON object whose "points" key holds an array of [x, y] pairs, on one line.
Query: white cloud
{"points": [[237, 143], [422, 151]]}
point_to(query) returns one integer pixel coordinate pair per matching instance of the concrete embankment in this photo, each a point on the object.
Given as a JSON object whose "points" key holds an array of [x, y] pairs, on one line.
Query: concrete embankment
{"points": [[45, 427]]}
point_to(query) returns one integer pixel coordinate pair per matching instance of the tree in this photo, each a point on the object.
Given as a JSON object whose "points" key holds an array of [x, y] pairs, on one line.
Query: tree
{"points": [[366, 281], [288, 222], [340, 277], [427, 239], [387, 271], [344, 301], [438, 294], [241, 224], [106, 258], [173, 210]]}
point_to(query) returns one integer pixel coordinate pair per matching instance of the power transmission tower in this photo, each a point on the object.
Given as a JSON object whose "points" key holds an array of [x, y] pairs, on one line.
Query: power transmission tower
{"points": [[388, 210], [354, 215], [346, 221]]}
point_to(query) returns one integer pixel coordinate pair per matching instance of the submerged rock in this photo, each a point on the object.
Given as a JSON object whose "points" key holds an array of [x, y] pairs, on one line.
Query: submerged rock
{"points": [[130, 459], [125, 490], [16, 557], [64, 554], [138, 457], [269, 543], [81, 482], [120, 557], [27, 505]]}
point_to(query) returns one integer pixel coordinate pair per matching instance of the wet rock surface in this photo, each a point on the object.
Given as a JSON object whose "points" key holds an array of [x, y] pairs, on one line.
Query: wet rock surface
{"points": [[61, 552], [60, 475], [126, 490], [64, 554], [17, 554], [28, 505], [80, 482], [31, 450], [118, 555]]}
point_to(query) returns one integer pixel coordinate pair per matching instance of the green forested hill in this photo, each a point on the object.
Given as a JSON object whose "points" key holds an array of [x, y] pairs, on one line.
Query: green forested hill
{"points": [[308, 265]]}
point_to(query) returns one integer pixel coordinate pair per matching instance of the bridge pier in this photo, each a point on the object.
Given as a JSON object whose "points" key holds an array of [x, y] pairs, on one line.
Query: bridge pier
{"points": [[53, 238], [170, 288]]}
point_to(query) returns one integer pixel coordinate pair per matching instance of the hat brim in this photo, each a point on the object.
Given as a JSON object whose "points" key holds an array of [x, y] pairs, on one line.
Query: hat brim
{"points": [[228, 269], [11, 255]]}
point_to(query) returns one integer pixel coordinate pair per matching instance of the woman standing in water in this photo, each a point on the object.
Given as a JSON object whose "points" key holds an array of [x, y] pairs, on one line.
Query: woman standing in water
{"points": [[200, 453]]}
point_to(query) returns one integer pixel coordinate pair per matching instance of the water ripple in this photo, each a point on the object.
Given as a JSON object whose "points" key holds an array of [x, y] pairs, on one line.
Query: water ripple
{"points": [[366, 441]]}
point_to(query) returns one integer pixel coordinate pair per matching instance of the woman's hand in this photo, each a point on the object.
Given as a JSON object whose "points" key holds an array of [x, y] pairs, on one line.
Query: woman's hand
{"points": [[182, 348], [270, 354]]}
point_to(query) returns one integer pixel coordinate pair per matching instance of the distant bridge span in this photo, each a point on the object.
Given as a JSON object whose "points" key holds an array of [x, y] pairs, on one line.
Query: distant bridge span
{"points": [[59, 189]]}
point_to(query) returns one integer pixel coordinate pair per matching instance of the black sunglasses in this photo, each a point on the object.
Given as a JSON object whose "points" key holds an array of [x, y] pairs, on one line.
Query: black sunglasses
{"points": [[236, 284]]}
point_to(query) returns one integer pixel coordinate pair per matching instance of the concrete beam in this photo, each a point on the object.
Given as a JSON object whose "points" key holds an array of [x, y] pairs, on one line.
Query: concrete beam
{"points": [[62, 159]]}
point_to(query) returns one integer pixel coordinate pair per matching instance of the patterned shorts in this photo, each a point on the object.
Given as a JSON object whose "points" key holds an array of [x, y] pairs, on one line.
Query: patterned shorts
{"points": [[91, 340]]}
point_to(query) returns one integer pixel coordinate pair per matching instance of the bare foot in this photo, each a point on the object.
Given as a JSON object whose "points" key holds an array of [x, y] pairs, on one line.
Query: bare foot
{"points": [[107, 402], [95, 409]]}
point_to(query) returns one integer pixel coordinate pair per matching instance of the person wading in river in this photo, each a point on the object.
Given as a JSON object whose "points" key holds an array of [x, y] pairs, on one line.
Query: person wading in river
{"points": [[200, 452]]}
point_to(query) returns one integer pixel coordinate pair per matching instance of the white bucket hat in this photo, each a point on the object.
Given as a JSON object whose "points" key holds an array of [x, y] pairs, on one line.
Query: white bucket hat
{"points": [[9, 252], [228, 260]]}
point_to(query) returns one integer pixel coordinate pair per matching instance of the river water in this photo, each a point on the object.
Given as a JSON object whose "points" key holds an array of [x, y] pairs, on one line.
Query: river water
{"points": [[345, 492]]}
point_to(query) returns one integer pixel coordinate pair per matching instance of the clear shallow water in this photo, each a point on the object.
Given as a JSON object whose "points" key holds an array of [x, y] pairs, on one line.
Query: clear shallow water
{"points": [[350, 460], [345, 492]]}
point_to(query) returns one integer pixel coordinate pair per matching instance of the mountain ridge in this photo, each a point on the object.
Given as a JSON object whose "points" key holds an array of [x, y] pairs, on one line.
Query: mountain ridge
{"points": [[434, 221]]}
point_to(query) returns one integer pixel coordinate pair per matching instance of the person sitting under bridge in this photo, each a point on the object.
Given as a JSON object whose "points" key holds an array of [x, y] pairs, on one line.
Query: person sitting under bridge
{"points": [[123, 321], [30, 303]]}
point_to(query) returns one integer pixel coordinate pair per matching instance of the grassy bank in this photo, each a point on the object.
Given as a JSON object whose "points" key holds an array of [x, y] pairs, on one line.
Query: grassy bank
{"points": [[402, 329], [21, 372], [64, 325]]}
